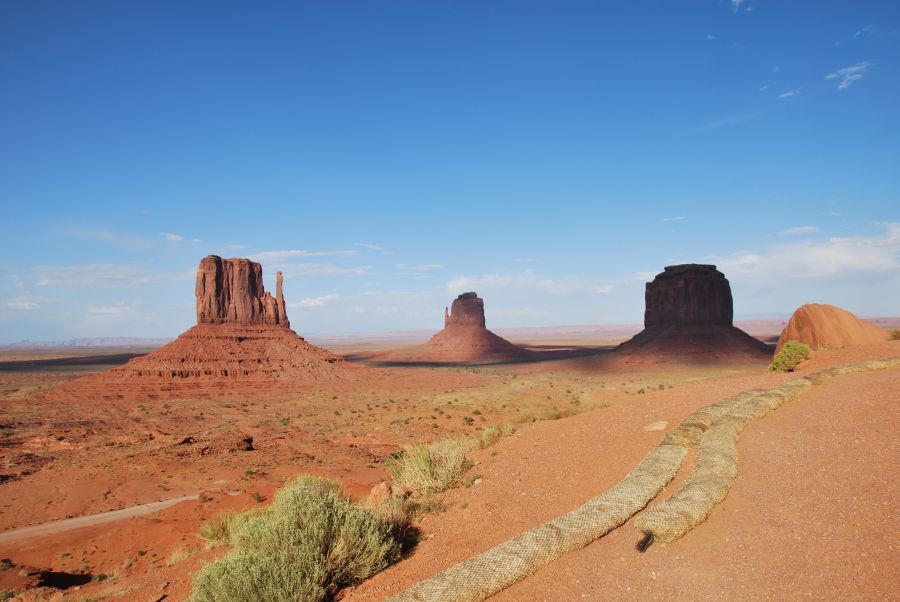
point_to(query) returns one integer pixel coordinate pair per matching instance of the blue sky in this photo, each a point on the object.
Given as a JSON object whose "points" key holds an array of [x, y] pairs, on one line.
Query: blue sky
{"points": [[387, 156]]}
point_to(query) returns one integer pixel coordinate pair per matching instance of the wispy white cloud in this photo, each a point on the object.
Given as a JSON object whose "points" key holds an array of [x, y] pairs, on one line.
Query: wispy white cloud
{"points": [[526, 281], [110, 311], [373, 247], [369, 246], [789, 93], [321, 269], [419, 267], [868, 29], [676, 218], [849, 75], [524, 312], [121, 240], [710, 37], [172, 237], [22, 304], [737, 5], [101, 275], [387, 310], [320, 301], [835, 258], [290, 254], [801, 230], [234, 246]]}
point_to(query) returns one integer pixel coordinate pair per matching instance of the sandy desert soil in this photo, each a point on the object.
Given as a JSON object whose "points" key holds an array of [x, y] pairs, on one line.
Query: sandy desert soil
{"points": [[812, 514], [66, 460]]}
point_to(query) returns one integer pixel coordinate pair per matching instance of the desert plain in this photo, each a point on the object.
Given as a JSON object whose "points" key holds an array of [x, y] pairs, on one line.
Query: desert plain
{"points": [[106, 481]]}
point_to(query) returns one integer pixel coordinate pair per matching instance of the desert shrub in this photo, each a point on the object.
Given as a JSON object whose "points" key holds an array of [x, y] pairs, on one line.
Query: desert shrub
{"points": [[219, 529], [430, 468], [895, 335], [789, 357], [305, 546]]}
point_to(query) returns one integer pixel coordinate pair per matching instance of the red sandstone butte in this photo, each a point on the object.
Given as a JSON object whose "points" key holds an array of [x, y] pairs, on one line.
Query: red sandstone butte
{"points": [[242, 341], [465, 338], [688, 318], [230, 291], [824, 326]]}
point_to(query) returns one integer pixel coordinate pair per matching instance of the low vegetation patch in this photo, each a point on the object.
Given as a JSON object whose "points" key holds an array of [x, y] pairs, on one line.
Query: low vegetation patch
{"points": [[432, 467], [308, 544], [789, 357], [425, 469], [895, 335]]}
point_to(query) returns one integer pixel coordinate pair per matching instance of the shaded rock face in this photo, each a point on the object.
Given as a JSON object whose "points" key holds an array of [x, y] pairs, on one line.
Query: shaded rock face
{"points": [[688, 319], [824, 326], [466, 310], [231, 291], [688, 294]]}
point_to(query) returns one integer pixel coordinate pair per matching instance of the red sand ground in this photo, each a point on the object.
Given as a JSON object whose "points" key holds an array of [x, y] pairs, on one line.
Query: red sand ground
{"points": [[811, 515], [83, 458]]}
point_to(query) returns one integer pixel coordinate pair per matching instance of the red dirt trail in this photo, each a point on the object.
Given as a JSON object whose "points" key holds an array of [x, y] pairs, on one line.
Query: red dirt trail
{"points": [[812, 514]]}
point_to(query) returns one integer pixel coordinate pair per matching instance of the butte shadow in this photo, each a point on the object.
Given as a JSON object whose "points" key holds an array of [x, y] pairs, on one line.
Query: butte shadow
{"points": [[242, 344]]}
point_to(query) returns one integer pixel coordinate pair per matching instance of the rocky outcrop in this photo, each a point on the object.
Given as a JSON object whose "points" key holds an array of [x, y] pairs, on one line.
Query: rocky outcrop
{"points": [[824, 326], [465, 338], [688, 318], [231, 291], [690, 293], [466, 310], [242, 343]]}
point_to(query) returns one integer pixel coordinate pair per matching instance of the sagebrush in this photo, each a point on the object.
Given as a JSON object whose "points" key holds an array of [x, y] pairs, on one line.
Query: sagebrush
{"points": [[305, 546], [790, 356]]}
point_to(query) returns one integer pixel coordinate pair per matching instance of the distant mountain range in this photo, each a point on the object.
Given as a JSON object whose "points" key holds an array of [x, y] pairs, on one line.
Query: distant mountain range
{"points": [[757, 327], [93, 342]]}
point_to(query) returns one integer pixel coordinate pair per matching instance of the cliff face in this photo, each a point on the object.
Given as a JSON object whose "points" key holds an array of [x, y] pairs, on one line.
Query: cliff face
{"points": [[231, 291], [688, 319], [466, 310], [688, 294], [829, 327]]}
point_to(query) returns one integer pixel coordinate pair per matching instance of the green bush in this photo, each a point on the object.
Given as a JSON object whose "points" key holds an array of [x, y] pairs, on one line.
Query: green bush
{"points": [[304, 547], [790, 356]]}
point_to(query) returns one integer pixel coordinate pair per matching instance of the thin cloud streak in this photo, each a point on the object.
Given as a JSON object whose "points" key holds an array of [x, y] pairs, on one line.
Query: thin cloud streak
{"points": [[849, 75], [289, 254]]}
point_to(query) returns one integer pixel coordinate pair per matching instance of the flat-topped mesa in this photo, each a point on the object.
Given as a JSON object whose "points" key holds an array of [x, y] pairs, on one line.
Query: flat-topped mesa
{"points": [[466, 310], [231, 291], [689, 294], [688, 318]]}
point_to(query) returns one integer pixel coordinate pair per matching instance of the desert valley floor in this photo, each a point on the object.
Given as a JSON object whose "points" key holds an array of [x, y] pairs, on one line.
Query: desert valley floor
{"points": [[812, 513]]}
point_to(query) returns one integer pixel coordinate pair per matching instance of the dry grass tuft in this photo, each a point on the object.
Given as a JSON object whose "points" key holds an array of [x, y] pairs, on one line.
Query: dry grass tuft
{"points": [[430, 468]]}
